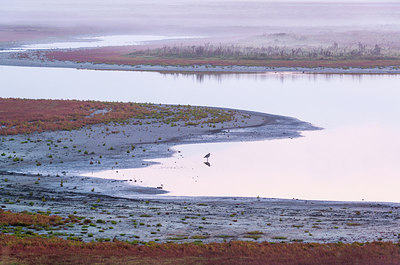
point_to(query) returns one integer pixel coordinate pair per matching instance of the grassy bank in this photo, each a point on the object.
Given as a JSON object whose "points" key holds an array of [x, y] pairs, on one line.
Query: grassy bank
{"points": [[23, 116], [36, 250], [190, 56]]}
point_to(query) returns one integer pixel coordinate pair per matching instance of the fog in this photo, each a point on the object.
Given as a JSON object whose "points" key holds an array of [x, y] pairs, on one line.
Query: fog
{"points": [[212, 17]]}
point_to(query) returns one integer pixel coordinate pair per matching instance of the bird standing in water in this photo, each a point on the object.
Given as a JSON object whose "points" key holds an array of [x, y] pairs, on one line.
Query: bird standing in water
{"points": [[207, 156]]}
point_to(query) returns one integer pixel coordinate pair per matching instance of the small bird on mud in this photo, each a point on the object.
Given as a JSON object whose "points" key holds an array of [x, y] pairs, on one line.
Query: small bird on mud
{"points": [[207, 156]]}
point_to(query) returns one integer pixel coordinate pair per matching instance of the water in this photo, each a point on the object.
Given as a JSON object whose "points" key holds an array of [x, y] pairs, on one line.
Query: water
{"points": [[356, 157], [97, 41]]}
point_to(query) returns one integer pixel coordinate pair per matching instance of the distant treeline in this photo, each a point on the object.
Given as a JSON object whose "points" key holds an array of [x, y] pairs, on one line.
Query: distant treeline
{"points": [[264, 53]]}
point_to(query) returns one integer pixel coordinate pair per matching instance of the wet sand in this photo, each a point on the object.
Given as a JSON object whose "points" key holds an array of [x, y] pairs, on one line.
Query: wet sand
{"points": [[190, 219], [127, 211], [114, 146]]}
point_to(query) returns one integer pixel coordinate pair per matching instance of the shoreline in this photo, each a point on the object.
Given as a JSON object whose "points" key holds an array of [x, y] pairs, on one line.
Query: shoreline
{"points": [[208, 219], [123, 211], [133, 212], [6, 60], [117, 146]]}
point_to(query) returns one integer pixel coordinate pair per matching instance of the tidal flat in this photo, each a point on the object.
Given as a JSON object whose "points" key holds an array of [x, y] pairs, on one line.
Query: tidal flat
{"points": [[41, 174], [92, 216]]}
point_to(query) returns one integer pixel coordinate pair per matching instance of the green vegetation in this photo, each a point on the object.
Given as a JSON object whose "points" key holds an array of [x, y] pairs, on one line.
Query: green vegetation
{"points": [[279, 237]]}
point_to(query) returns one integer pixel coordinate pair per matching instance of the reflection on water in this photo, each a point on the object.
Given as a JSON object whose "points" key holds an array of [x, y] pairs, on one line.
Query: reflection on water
{"points": [[325, 100], [281, 76], [352, 164], [356, 157]]}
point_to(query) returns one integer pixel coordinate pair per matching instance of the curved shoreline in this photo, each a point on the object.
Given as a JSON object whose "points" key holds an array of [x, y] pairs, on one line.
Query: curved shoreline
{"points": [[214, 219], [106, 150]]}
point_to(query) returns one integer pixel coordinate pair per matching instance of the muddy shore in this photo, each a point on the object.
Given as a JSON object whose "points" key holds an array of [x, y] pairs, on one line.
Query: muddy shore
{"points": [[125, 210], [194, 219], [45, 178], [115, 146]]}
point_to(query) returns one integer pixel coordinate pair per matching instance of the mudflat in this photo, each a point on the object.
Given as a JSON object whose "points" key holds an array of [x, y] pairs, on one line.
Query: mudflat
{"points": [[41, 174], [189, 219]]}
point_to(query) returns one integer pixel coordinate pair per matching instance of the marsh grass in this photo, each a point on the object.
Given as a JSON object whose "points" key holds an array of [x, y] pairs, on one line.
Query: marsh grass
{"points": [[24, 116], [36, 250]]}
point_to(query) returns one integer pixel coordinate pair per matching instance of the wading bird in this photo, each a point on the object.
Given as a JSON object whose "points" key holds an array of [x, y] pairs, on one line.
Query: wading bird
{"points": [[207, 156]]}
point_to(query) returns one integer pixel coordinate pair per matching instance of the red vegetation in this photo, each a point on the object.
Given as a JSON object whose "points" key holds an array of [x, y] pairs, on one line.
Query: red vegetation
{"points": [[118, 55], [18, 116], [24, 219], [35, 250]]}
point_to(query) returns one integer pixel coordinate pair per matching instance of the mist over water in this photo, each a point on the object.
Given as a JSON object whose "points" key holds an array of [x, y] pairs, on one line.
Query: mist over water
{"points": [[205, 16]]}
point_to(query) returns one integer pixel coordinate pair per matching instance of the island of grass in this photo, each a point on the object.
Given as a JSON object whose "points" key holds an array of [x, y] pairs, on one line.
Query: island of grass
{"points": [[230, 58]]}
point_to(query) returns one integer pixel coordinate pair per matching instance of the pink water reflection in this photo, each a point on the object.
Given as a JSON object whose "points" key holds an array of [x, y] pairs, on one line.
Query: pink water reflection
{"points": [[349, 164]]}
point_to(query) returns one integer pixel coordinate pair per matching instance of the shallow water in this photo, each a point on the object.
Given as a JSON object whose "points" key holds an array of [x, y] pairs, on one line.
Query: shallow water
{"points": [[356, 157], [96, 41]]}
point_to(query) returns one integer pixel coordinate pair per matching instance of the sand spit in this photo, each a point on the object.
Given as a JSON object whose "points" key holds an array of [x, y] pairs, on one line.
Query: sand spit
{"points": [[119, 210], [117, 146], [10, 60]]}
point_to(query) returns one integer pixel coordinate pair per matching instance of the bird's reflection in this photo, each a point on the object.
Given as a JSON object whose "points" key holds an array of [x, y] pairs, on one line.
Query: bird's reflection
{"points": [[207, 164]]}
